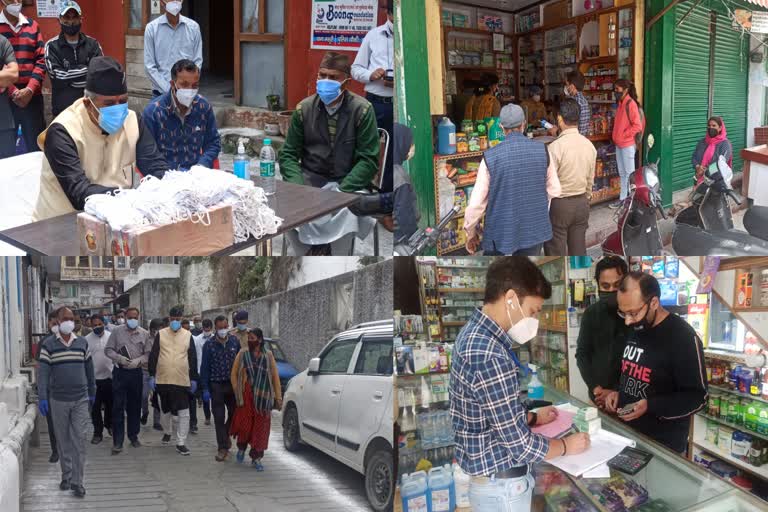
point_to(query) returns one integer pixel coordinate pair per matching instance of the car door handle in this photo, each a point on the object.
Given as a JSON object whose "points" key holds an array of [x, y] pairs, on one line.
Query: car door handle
{"points": [[378, 395], [336, 391]]}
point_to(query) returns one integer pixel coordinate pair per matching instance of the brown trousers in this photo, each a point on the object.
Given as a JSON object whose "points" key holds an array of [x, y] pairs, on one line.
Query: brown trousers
{"points": [[570, 220]]}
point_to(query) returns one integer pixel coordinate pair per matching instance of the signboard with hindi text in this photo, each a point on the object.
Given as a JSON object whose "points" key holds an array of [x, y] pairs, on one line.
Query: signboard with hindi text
{"points": [[49, 8], [342, 24]]}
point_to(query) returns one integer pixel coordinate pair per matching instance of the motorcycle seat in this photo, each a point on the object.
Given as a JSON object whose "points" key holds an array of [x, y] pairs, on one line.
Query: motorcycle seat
{"points": [[756, 221]]}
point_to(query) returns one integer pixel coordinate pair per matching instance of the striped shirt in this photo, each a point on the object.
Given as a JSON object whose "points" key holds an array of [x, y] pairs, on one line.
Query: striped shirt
{"points": [[585, 113], [65, 373], [489, 421], [28, 44]]}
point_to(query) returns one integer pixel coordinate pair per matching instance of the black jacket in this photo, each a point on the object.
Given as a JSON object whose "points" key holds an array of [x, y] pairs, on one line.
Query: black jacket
{"points": [[68, 66]]}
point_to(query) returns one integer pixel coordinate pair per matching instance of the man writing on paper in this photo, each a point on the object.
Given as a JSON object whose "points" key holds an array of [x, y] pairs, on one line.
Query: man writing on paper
{"points": [[494, 442], [663, 377]]}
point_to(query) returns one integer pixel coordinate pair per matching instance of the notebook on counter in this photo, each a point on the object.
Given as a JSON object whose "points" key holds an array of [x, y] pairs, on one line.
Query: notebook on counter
{"points": [[603, 447]]}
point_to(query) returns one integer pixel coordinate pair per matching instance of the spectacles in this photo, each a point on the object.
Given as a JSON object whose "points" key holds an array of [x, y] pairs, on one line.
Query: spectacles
{"points": [[634, 314]]}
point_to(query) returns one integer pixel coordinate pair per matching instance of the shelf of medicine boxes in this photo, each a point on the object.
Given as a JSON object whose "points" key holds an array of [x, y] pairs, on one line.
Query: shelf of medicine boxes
{"points": [[427, 275], [700, 442]]}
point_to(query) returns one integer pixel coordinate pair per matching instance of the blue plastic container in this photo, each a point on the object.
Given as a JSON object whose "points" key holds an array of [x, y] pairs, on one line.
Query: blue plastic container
{"points": [[441, 494], [413, 490], [446, 137]]}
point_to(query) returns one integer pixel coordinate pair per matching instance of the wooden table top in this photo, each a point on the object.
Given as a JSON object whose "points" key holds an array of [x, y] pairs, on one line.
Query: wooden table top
{"points": [[295, 204]]}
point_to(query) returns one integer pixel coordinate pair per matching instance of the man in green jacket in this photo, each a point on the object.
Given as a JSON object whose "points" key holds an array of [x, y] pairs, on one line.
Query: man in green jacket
{"points": [[603, 333], [332, 143]]}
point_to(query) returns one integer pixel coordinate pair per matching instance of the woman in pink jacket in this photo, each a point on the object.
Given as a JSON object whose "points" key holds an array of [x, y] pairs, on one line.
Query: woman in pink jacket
{"points": [[626, 125]]}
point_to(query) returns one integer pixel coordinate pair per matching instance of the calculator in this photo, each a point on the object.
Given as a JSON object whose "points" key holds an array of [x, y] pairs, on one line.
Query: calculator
{"points": [[630, 461]]}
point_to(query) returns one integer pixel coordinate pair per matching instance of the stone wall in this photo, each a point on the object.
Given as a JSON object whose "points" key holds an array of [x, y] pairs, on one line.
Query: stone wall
{"points": [[304, 319], [155, 298]]}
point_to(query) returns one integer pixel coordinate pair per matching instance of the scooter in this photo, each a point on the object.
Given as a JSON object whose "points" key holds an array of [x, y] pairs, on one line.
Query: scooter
{"points": [[425, 238], [705, 228], [637, 230]]}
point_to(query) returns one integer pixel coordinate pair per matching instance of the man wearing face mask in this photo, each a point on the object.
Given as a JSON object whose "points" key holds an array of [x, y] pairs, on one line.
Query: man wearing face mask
{"points": [[534, 107], [102, 368], [494, 442], [218, 358], [67, 388], [118, 319], [128, 348], [332, 143], [173, 371], [154, 327], [53, 330], [199, 339], [67, 57], [374, 67], [603, 334], [183, 122], [167, 40], [95, 146], [574, 84], [240, 331], [26, 94], [663, 377]]}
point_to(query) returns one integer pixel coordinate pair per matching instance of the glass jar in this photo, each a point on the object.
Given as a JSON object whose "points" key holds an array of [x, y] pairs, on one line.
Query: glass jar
{"points": [[474, 142], [714, 405], [483, 143], [462, 144]]}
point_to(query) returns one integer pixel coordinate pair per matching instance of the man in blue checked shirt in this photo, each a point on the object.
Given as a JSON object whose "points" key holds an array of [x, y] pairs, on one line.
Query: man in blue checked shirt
{"points": [[183, 122], [494, 442]]}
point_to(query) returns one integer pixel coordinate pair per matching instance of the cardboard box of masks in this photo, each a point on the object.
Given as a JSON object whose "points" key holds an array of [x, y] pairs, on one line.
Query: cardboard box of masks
{"points": [[185, 238]]}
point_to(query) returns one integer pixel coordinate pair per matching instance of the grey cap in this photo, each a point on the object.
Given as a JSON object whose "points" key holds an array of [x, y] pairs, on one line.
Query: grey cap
{"points": [[511, 116]]}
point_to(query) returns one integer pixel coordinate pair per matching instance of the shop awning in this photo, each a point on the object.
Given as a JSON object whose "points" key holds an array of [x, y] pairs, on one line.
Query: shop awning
{"points": [[761, 3]]}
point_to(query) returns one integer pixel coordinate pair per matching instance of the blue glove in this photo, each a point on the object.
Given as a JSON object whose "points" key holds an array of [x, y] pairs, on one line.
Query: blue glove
{"points": [[43, 406], [152, 383], [206, 396], [193, 385]]}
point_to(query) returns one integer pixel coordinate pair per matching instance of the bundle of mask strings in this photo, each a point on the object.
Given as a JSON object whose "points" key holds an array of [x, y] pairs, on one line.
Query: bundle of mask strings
{"points": [[182, 196]]}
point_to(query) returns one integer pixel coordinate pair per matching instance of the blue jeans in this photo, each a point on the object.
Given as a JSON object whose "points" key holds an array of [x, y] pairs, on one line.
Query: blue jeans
{"points": [[502, 495], [126, 400], [625, 159]]}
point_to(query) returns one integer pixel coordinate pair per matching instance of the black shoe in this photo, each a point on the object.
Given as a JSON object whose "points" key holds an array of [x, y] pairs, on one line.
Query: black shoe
{"points": [[109, 431], [207, 421], [166, 438], [158, 427], [64, 485], [183, 449], [144, 418], [193, 430], [54, 458], [136, 443], [78, 491], [97, 439], [117, 449]]}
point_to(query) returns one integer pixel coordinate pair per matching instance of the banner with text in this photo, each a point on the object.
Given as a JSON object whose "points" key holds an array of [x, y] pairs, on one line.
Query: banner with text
{"points": [[342, 24]]}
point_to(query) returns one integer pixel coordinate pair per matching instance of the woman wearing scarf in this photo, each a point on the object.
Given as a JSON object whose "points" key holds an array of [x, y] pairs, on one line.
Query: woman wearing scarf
{"points": [[711, 147], [257, 391], [406, 211]]}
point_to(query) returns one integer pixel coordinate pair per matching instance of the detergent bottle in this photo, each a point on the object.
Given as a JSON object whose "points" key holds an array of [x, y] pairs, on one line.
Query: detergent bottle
{"points": [[413, 490], [440, 494], [446, 137], [535, 387]]}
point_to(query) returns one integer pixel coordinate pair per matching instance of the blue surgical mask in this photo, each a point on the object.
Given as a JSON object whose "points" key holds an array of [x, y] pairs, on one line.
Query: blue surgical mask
{"points": [[107, 319], [222, 333], [328, 90], [242, 327], [112, 119], [175, 325], [132, 323]]}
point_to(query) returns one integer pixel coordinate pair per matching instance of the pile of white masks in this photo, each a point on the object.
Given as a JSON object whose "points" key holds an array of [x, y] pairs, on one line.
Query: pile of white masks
{"points": [[182, 196]]}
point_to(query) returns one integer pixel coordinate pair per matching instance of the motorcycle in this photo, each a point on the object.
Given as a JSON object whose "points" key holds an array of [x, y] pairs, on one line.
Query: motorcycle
{"points": [[637, 229], [425, 238], [705, 228]]}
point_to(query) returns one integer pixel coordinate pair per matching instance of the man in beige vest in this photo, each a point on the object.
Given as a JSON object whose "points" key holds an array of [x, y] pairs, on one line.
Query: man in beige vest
{"points": [[95, 145], [173, 375]]}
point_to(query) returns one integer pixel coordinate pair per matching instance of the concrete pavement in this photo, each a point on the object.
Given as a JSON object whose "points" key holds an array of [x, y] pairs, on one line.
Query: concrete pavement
{"points": [[154, 478]]}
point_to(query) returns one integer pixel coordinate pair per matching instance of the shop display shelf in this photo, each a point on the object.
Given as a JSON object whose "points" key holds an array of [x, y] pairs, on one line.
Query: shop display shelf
{"points": [[604, 137], [461, 290], [599, 60], [480, 31], [556, 328], [455, 323], [561, 46], [733, 425], [611, 197], [731, 357], [555, 66], [458, 156], [467, 267], [737, 393], [708, 447], [471, 68]]}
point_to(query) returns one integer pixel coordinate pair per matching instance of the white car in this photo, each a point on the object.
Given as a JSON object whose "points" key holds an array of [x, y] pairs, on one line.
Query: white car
{"points": [[342, 405]]}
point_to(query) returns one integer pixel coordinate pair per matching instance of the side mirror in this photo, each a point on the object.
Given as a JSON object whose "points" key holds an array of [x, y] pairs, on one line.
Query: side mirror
{"points": [[314, 366]]}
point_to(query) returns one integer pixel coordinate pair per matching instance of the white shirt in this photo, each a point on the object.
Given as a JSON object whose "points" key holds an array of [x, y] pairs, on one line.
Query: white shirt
{"points": [[102, 365], [200, 340], [16, 28], [376, 51], [165, 45]]}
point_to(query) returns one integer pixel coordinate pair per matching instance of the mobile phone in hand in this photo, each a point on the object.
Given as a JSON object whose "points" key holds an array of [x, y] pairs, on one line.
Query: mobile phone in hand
{"points": [[627, 409]]}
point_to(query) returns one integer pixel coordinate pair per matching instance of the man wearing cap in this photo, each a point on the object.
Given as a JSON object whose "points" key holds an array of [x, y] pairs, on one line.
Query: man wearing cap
{"points": [[332, 142], [95, 145], [374, 67], [167, 40], [512, 191], [26, 94], [240, 330], [67, 57]]}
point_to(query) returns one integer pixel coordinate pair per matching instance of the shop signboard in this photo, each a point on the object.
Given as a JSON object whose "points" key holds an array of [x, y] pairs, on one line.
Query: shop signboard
{"points": [[49, 8], [342, 24], [751, 21]]}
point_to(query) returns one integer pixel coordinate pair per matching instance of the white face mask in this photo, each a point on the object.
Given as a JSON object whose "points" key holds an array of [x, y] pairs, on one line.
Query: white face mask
{"points": [[55, 329], [120, 321], [207, 334], [222, 333], [186, 96], [67, 327], [524, 330], [173, 8], [14, 9], [566, 91]]}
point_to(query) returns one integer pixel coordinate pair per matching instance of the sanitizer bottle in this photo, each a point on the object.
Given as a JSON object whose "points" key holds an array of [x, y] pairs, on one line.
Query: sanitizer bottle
{"points": [[535, 387]]}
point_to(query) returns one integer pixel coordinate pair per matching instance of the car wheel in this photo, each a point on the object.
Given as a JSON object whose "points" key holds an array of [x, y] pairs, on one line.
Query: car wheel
{"points": [[291, 433], [379, 482]]}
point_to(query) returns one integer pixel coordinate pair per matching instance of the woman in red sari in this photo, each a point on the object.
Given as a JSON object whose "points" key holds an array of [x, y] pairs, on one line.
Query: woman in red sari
{"points": [[256, 383]]}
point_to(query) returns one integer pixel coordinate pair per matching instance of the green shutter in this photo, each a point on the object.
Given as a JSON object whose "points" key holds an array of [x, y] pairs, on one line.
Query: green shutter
{"points": [[731, 84], [690, 91]]}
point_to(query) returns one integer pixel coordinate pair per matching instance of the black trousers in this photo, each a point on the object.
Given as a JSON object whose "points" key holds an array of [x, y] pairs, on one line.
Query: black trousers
{"points": [[126, 396], [192, 411], [32, 121], [51, 433], [101, 412], [7, 143], [222, 396], [385, 119]]}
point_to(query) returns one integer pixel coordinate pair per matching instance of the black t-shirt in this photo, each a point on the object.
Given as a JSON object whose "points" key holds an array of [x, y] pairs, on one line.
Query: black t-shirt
{"points": [[7, 56], [665, 366]]}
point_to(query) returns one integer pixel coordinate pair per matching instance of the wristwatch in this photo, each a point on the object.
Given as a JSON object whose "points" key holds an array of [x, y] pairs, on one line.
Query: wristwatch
{"points": [[533, 420]]}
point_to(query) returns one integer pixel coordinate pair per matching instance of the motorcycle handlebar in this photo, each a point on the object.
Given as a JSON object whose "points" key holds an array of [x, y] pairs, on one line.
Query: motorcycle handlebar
{"points": [[733, 196], [661, 210]]}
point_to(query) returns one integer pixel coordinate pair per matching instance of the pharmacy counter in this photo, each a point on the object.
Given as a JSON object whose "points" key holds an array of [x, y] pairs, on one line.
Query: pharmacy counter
{"points": [[670, 482]]}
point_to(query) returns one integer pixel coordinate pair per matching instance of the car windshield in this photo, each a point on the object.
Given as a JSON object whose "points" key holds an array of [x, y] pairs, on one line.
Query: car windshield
{"points": [[277, 351]]}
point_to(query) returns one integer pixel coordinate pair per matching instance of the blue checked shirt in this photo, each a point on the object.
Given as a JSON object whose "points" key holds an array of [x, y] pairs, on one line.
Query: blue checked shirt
{"points": [[218, 359], [489, 422], [585, 113]]}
